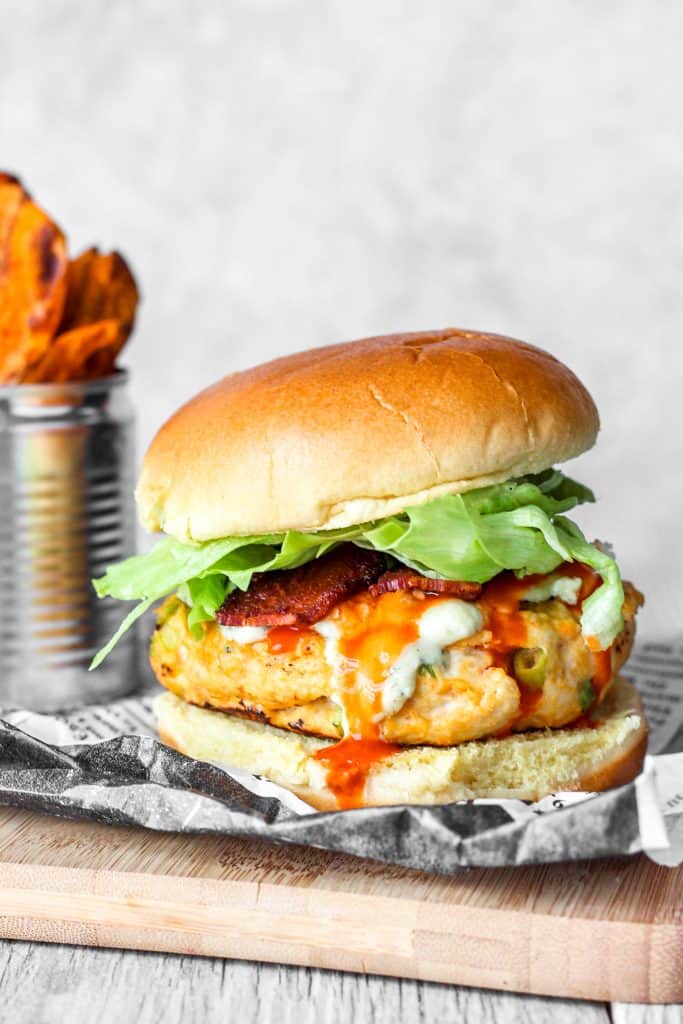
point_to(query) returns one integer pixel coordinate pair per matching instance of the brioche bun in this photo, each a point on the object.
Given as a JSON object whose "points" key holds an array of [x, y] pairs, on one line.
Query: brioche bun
{"points": [[341, 435], [525, 766]]}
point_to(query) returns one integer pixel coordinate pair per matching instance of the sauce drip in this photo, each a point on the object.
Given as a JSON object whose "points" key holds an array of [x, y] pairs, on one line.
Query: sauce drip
{"points": [[370, 642], [348, 763], [372, 635], [501, 601], [604, 662], [284, 639], [603, 669]]}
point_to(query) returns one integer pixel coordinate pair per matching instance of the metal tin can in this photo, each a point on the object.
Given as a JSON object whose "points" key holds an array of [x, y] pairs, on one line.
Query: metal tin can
{"points": [[67, 467]]}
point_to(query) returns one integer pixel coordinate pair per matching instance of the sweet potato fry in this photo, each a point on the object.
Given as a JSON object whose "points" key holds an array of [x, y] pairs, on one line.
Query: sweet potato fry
{"points": [[100, 286], [82, 353], [33, 265]]}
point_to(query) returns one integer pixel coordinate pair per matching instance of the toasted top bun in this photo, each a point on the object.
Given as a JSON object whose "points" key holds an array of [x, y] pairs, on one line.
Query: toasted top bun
{"points": [[341, 435]]}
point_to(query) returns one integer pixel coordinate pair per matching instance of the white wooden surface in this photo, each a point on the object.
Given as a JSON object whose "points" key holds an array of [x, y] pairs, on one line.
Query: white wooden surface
{"points": [[45, 984]]}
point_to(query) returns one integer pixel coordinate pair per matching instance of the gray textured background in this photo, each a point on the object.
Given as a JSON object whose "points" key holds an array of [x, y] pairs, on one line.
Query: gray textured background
{"points": [[284, 174]]}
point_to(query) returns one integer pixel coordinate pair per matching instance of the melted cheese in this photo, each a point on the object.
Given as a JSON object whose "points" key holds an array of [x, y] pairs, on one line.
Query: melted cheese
{"points": [[244, 634], [375, 651], [440, 626], [330, 632], [565, 587]]}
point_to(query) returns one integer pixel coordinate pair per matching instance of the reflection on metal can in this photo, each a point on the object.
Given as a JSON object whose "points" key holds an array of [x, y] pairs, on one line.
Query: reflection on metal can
{"points": [[66, 513]]}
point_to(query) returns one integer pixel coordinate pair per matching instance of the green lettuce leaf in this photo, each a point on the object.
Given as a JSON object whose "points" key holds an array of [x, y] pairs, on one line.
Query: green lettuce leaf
{"points": [[518, 525], [601, 612]]}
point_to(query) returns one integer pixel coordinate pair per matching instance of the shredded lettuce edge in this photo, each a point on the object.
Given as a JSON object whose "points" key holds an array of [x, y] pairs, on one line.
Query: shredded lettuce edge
{"points": [[519, 525]]}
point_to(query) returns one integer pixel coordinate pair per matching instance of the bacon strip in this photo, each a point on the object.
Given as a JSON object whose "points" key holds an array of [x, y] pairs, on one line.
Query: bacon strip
{"points": [[405, 579], [300, 597]]}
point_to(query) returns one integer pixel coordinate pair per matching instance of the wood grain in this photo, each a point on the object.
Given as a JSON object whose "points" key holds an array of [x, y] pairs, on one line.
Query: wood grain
{"points": [[603, 930], [42, 983], [638, 1013]]}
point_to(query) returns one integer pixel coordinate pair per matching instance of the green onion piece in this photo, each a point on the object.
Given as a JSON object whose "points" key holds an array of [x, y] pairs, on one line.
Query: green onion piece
{"points": [[587, 695], [529, 665]]}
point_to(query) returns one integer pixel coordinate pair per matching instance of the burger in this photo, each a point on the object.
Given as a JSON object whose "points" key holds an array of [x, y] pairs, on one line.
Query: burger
{"points": [[372, 590]]}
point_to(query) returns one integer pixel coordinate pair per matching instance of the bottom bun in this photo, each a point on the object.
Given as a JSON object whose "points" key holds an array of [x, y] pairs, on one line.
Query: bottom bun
{"points": [[525, 766]]}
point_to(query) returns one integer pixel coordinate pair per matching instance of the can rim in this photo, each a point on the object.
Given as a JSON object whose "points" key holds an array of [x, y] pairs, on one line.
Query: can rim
{"points": [[67, 387]]}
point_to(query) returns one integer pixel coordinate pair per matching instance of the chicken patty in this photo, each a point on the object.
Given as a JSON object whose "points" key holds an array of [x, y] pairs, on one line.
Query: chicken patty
{"points": [[289, 681]]}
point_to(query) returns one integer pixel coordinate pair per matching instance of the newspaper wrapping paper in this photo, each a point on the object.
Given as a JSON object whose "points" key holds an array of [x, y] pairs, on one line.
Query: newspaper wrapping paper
{"points": [[104, 763]]}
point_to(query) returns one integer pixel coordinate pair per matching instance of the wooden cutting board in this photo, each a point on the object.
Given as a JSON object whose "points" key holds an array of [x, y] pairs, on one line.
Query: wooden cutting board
{"points": [[607, 930]]}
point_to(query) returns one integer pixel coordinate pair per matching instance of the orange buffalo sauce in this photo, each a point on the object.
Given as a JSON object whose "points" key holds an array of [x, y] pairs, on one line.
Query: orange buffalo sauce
{"points": [[284, 639], [500, 601], [603, 669], [372, 634], [348, 763], [604, 661]]}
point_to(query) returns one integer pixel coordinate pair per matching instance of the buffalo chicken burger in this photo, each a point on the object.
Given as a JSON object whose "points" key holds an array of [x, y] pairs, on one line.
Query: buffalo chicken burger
{"points": [[372, 591]]}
